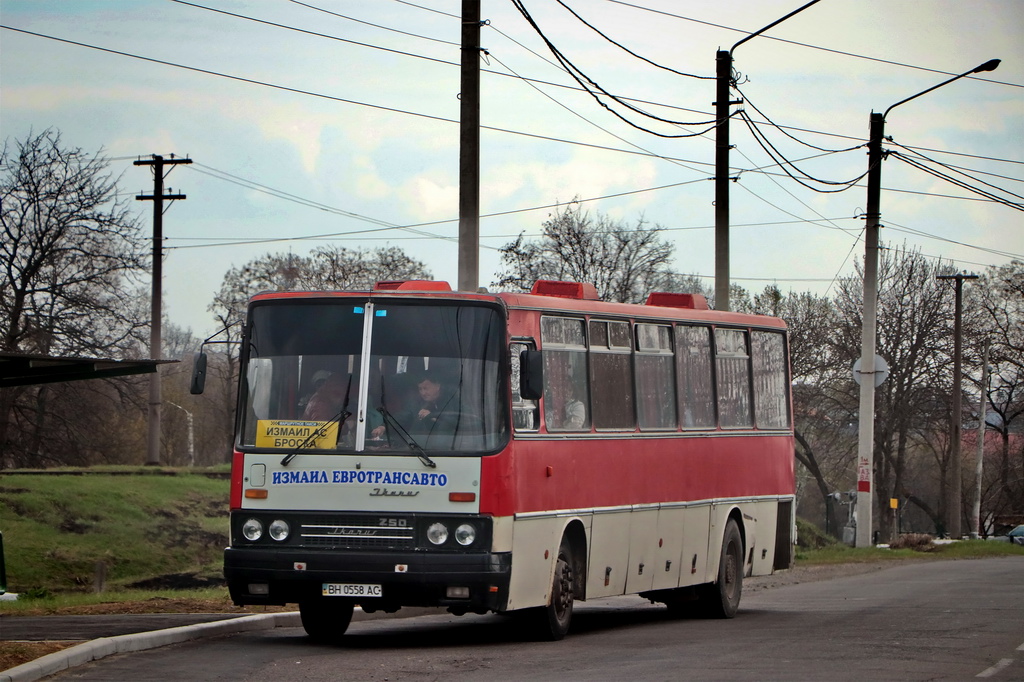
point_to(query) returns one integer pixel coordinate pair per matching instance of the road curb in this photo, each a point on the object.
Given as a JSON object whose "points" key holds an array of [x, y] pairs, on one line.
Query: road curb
{"points": [[107, 646]]}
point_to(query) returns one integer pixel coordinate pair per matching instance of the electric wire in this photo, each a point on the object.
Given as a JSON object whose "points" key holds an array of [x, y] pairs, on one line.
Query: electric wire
{"points": [[626, 49], [959, 183], [782, 129], [776, 155], [807, 45], [579, 76], [369, 23], [963, 171], [274, 86]]}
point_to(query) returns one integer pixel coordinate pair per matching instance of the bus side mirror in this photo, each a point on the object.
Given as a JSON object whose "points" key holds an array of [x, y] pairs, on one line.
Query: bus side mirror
{"points": [[531, 374], [198, 373]]}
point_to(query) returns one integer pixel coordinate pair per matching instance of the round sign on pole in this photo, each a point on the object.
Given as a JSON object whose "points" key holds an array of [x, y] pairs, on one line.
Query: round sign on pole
{"points": [[881, 371]]}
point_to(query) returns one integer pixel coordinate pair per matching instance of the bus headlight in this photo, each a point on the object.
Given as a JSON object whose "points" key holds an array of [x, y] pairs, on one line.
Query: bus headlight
{"points": [[465, 534], [252, 529], [437, 533], [278, 530]]}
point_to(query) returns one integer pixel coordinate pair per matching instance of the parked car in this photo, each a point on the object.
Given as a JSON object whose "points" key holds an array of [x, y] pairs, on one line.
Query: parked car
{"points": [[1016, 536]]}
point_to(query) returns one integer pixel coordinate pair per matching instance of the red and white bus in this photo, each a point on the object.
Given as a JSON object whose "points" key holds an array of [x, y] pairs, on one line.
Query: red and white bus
{"points": [[418, 446]]}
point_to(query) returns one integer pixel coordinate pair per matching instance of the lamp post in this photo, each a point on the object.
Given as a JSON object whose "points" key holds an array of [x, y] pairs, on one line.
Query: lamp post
{"points": [[723, 81], [191, 433], [866, 431]]}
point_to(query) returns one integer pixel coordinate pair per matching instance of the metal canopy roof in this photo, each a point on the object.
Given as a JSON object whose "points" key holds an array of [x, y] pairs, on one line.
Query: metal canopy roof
{"points": [[23, 369]]}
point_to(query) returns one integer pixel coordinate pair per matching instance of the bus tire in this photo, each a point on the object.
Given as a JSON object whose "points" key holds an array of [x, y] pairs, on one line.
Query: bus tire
{"points": [[326, 620], [551, 622], [721, 599]]}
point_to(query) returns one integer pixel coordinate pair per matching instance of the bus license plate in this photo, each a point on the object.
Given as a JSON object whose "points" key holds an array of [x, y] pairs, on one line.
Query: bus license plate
{"points": [[350, 590]]}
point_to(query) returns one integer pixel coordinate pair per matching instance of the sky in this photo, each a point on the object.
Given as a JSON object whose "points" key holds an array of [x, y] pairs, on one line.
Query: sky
{"points": [[335, 122]]}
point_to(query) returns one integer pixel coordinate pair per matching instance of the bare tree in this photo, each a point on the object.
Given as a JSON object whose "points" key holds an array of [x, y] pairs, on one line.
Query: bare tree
{"points": [[623, 263], [69, 248], [70, 253], [915, 337], [998, 299]]}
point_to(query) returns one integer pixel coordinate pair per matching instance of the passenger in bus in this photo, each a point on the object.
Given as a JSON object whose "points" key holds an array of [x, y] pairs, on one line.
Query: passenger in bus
{"points": [[329, 400], [434, 399], [319, 377], [563, 410], [575, 411]]}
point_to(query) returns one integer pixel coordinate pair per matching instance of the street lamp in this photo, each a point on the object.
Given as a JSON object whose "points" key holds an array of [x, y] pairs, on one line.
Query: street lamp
{"points": [[191, 433], [866, 432], [723, 77]]}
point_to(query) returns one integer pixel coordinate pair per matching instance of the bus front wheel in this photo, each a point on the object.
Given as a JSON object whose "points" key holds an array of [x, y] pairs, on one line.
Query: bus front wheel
{"points": [[721, 599], [551, 622], [326, 620]]}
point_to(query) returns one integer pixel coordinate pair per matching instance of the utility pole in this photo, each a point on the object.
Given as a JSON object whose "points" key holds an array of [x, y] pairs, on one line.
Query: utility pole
{"points": [[723, 82], [979, 464], [866, 410], [157, 162], [955, 487], [866, 429], [723, 79], [469, 149]]}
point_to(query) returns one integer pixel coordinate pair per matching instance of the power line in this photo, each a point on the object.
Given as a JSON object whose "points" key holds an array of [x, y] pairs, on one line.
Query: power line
{"points": [[626, 49], [579, 76], [299, 91], [812, 47], [369, 23], [959, 183], [776, 155]]}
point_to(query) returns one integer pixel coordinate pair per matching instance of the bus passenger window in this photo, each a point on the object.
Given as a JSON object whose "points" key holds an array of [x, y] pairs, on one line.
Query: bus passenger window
{"points": [[611, 375], [733, 378], [771, 387], [694, 377], [566, 393], [655, 380]]}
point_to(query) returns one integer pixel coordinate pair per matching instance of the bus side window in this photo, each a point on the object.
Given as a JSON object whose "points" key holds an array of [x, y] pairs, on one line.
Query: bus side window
{"points": [[771, 386], [732, 374], [524, 411], [566, 387]]}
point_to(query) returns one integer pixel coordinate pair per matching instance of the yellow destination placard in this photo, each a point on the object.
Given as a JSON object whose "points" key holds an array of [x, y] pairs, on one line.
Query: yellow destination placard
{"points": [[290, 433]]}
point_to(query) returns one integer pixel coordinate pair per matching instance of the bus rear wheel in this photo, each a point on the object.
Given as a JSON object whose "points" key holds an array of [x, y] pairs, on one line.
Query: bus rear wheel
{"points": [[721, 599], [326, 620]]}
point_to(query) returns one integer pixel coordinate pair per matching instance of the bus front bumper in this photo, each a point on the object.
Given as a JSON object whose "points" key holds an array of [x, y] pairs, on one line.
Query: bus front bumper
{"points": [[476, 582]]}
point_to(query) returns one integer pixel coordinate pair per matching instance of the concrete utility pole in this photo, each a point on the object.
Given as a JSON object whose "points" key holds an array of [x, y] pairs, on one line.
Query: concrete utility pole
{"points": [[866, 410], [469, 149], [955, 488], [979, 464], [157, 162], [723, 81], [866, 430]]}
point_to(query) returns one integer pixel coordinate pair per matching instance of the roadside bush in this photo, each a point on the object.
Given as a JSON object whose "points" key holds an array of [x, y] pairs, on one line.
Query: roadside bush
{"points": [[919, 542], [809, 536]]}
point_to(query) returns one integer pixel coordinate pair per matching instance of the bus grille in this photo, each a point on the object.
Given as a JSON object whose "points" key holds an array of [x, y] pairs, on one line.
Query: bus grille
{"points": [[362, 532]]}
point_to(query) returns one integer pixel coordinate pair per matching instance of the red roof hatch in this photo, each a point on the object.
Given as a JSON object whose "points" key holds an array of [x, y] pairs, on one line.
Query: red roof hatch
{"points": [[578, 290], [412, 285], [673, 300]]}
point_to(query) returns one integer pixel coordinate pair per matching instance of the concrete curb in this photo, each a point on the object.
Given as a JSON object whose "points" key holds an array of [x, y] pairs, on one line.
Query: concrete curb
{"points": [[107, 646]]}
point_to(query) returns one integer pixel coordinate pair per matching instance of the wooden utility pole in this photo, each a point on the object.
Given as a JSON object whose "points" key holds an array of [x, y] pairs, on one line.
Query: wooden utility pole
{"points": [[955, 488], [155, 399], [469, 149]]}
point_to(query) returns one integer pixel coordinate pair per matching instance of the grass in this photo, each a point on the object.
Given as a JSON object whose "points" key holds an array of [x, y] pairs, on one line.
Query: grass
{"points": [[59, 528], [965, 549]]}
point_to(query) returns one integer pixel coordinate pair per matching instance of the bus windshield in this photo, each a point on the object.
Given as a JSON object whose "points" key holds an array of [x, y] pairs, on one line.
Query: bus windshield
{"points": [[349, 375]]}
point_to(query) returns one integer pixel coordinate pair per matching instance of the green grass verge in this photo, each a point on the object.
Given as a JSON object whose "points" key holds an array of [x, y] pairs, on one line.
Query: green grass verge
{"points": [[139, 524]]}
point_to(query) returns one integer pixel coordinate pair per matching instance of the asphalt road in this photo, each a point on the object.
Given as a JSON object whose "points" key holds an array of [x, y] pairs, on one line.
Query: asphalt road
{"points": [[950, 620]]}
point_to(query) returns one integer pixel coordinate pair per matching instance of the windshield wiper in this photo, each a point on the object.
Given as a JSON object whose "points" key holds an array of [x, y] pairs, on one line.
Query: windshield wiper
{"points": [[415, 447], [322, 429]]}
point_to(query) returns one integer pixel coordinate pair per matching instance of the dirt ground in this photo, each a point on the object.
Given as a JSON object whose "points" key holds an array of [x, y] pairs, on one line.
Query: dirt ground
{"points": [[16, 653]]}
